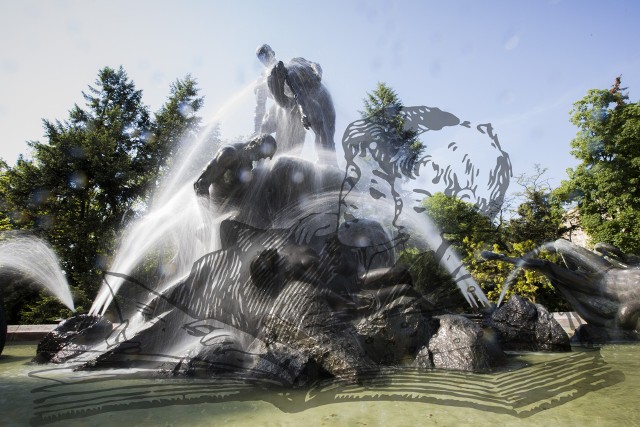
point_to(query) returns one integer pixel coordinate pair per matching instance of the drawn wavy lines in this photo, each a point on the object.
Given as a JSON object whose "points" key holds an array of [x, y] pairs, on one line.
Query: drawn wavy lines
{"points": [[519, 393], [91, 399]]}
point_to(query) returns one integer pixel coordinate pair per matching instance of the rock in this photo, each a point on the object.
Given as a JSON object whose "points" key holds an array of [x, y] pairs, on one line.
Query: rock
{"points": [[278, 362], [394, 333], [525, 326], [72, 337], [371, 240], [303, 321], [460, 344], [219, 354]]}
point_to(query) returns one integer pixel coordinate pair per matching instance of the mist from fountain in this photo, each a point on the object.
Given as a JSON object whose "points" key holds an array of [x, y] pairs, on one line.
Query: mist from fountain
{"points": [[32, 258], [174, 218]]}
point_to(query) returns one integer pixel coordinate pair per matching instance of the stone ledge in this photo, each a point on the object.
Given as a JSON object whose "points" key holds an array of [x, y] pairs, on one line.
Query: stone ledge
{"points": [[28, 332], [569, 320]]}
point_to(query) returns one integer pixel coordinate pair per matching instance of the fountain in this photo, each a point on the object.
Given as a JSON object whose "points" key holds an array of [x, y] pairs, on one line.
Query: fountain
{"points": [[277, 269], [272, 271], [31, 259]]}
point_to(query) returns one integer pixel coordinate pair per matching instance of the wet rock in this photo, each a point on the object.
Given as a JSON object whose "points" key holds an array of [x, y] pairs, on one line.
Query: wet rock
{"points": [[220, 354], [278, 362], [72, 337], [525, 326], [463, 345], [370, 238], [395, 333], [302, 321]]}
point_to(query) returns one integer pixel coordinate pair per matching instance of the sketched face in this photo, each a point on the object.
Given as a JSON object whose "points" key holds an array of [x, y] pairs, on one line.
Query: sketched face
{"points": [[465, 162], [459, 159]]}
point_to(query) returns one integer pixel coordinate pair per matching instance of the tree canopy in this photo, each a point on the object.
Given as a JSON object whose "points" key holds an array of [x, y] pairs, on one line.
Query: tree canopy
{"points": [[606, 184], [93, 174], [383, 108]]}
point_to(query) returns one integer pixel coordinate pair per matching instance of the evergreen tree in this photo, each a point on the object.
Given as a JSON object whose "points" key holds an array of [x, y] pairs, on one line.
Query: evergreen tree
{"points": [[91, 176], [383, 108], [177, 121]]}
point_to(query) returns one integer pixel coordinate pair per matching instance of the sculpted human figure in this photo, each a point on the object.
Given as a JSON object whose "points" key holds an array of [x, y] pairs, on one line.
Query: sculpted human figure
{"points": [[301, 102], [232, 165], [603, 294]]}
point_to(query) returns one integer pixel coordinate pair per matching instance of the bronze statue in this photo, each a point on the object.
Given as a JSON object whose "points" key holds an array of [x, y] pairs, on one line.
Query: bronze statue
{"points": [[605, 295], [301, 102], [233, 164]]}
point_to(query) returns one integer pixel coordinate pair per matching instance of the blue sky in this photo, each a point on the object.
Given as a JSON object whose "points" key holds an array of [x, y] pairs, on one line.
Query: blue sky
{"points": [[517, 64]]}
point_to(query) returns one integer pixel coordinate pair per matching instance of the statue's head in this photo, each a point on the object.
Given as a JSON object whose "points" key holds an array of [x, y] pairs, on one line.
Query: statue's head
{"points": [[262, 146], [265, 54]]}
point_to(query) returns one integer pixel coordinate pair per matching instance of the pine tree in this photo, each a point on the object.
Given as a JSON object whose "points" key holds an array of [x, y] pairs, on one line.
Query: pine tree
{"points": [[383, 108]]}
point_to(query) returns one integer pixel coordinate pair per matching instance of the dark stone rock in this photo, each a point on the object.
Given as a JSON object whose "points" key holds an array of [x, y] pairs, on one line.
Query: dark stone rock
{"points": [[525, 326], [278, 362], [394, 333], [72, 337], [423, 359], [587, 334], [303, 321], [220, 354], [372, 240], [461, 344], [603, 290]]}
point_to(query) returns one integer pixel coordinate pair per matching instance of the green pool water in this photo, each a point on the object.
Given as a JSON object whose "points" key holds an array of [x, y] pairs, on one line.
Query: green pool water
{"points": [[584, 387]]}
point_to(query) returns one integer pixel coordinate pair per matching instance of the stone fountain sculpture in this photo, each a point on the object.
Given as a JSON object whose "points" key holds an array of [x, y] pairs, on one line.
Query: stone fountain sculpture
{"points": [[301, 102], [604, 288], [303, 281]]}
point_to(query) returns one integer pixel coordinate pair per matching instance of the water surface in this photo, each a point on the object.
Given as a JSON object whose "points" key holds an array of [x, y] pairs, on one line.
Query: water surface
{"points": [[584, 387]]}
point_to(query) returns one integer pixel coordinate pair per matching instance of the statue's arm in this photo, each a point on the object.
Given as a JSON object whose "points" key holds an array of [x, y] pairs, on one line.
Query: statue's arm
{"points": [[276, 82], [383, 277]]}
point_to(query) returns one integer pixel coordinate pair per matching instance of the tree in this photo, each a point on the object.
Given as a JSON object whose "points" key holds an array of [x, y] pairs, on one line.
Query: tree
{"points": [[470, 233], [176, 121], [93, 175], [540, 216], [383, 108], [461, 223], [606, 184], [458, 220]]}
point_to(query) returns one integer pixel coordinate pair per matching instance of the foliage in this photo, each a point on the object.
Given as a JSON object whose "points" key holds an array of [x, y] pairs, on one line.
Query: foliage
{"points": [[174, 122], [91, 177], [470, 233], [383, 108], [540, 216], [606, 184], [458, 220]]}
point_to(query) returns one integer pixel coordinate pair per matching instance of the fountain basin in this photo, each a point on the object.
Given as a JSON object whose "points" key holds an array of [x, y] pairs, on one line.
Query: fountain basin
{"points": [[577, 388]]}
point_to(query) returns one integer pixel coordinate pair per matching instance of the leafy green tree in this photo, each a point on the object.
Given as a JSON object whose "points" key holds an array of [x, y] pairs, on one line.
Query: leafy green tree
{"points": [[383, 107], [606, 184], [458, 220], [470, 233]]}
